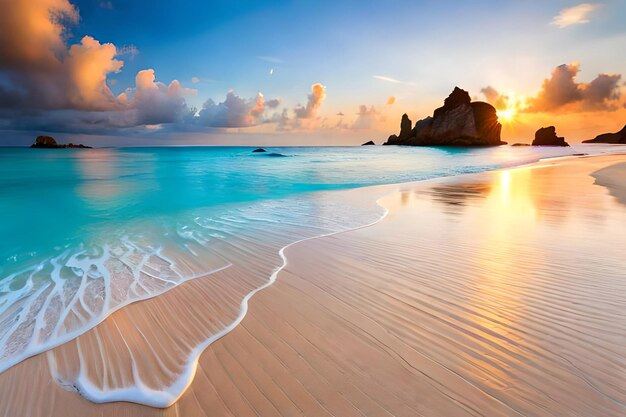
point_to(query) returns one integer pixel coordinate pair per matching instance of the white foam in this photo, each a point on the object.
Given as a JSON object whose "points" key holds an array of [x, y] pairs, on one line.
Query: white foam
{"points": [[166, 396]]}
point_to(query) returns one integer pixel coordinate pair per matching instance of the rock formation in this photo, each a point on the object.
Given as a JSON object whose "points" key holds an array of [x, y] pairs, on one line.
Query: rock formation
{"points": [[546, 136], [257, 150], [459, 122], [617, 137], [49, 143], [368, 143]]}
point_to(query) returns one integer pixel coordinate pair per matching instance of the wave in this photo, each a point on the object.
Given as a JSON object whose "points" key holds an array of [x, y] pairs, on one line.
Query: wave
{"points": [[165, 396]]}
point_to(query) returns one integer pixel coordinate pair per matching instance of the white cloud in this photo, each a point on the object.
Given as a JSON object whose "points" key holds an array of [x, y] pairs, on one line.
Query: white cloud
{"points": [[388, 79], [575, 15], [366, 118], [391, 80], [271, 59]]}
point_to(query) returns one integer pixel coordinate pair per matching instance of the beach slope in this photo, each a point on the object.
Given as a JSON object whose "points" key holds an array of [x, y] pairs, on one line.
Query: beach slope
{"points": [[496, 294]]}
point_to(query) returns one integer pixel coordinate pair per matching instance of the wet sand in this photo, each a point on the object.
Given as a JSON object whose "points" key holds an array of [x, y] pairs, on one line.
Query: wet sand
{"points": [[498, 294]]}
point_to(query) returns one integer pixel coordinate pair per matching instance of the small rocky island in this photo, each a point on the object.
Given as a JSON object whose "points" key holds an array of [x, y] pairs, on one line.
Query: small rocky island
{"points": [[459, 122], [368, 143], [546, 136], [48, 142], [615, 138]]}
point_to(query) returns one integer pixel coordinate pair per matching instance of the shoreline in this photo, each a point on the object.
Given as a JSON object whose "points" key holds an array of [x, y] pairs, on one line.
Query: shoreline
{"points": [[387, 188], [397, 188]]}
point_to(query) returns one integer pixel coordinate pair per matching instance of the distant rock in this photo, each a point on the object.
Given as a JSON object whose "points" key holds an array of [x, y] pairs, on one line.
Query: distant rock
{"points": [[616, 138], [520, 144], [368, 143], [459, 122], [48, 142], [546, 136], [259, 150], [45, 142]]}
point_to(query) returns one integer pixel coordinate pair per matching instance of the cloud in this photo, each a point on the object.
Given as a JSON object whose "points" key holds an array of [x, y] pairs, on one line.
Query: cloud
{"points": [[32, 34], [562, 92], [391, 100], [575, 15], [497, 100], [149, 103], [106, 4], [131, 50], [271, 59], [86, 68], [195, 80], [155, 102], [235, 111], [39, 69], [388, 79], [391, 80], [45, 82], [366, 118], [314, 102], [304, 117], [272, 104]]}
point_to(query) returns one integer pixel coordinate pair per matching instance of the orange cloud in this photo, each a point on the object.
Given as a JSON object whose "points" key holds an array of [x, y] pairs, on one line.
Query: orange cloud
{"points": [[314, 102], [42, 70], [562, 92], [87, 67], [391, 100], [31, 35]]}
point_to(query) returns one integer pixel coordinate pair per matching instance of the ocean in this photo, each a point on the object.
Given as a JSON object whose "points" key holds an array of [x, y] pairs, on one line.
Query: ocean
{"points": [[86, 232]]}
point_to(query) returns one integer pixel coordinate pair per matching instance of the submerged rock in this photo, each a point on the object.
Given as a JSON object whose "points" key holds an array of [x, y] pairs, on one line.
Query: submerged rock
{"points": [[50, 143], [546, 136], [459, 122], [259, 150], [616, 138], [521, 144], [368, 143]]}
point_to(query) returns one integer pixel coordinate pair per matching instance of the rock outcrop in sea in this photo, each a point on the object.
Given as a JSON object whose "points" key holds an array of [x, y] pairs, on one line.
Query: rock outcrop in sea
{"points": [[50, 143], [368, 143], [459, 122], [616, 138], [546, 136]]}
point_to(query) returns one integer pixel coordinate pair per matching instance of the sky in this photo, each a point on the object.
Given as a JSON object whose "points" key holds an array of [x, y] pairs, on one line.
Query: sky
{"points": [[113, 72]]}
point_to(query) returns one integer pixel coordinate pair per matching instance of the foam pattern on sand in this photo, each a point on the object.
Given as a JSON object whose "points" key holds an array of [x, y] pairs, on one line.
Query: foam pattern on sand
{"points": [[64, 296]]}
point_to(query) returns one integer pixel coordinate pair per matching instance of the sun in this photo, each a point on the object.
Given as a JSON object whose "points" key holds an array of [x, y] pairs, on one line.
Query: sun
{"points": [[507, 115]]}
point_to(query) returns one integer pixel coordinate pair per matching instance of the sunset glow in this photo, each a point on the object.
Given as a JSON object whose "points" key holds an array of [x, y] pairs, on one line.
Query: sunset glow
{"points": [[507, 115], [110, 69]]}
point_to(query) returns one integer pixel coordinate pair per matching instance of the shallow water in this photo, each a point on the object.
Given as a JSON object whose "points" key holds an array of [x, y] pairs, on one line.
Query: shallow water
{"points": [[85, 232]]}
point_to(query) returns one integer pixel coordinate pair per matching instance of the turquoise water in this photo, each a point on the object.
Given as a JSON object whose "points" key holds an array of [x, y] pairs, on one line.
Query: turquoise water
{"points": [[84, 232]]}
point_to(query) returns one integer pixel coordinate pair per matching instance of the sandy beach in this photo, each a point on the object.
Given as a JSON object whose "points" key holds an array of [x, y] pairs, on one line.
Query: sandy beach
{"points": [[494, 294]]}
